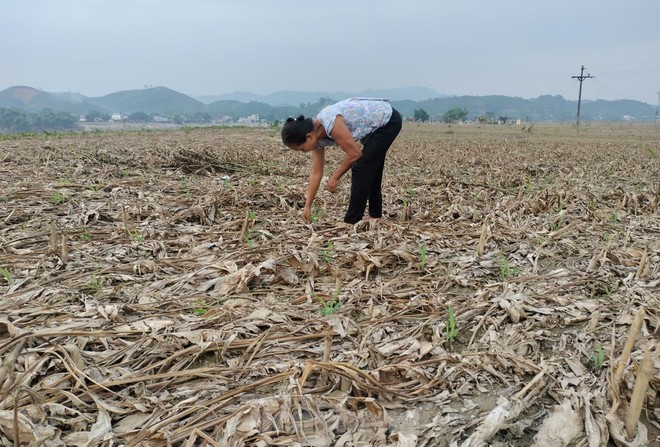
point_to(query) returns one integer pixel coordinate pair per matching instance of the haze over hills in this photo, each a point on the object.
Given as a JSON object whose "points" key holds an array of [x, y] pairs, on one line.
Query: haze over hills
{"points": [[279, 105], [294, 98]]}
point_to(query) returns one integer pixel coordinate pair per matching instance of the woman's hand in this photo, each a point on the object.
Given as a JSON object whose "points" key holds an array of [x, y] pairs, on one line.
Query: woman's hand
{"points": [[306, 214], [332, 184]]}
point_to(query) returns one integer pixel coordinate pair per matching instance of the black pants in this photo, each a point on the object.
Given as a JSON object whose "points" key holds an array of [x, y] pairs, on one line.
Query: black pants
{"points": [[367, 172]]}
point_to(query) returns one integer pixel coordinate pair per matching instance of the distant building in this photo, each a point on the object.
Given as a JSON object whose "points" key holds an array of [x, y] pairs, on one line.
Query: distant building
{"points": [[160, 119], [250, 119], [116, 117]]}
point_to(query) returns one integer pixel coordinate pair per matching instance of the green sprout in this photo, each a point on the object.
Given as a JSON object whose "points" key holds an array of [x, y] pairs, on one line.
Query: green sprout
{"points": [[7, 275], [327, 254], [58, 198], [95, 285], [598, 357], [315, 216], [451, 325], [249, 238], [226, 181], [422, 256], [506, 270], [134, 235], [330, 307], [200, 307]]}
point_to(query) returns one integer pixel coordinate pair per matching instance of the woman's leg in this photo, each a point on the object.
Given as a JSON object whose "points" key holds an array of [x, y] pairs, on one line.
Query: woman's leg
{"points": [[367, 172]]}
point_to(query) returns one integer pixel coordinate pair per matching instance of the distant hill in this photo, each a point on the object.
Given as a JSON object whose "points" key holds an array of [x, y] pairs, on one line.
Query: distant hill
{"points": [[295, 98], [33, 100], [543, 108], [150, 100], [281, 104]]}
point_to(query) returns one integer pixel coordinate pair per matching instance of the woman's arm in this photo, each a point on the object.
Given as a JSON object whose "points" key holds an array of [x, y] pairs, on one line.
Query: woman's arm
{"points": [[345, 140], [318, 159]]}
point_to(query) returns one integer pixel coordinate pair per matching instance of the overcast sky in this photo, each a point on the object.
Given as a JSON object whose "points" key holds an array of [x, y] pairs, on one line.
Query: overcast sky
{"points": [[212, 47]]}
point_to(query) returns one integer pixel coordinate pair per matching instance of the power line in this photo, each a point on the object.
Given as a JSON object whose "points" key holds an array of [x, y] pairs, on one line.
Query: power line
{"points": [[580, 78]]}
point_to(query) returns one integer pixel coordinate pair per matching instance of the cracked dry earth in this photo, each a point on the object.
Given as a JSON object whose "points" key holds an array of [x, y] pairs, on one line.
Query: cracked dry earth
{"points": [[159, 289]]}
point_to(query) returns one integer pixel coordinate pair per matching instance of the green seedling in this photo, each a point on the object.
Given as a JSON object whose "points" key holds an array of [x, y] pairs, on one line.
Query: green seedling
{"points": [[327, 254], [330, 307], [557, 225], [58, 198], [95, 285], [598, 357], [315, 216], [200, 307], [450, 329], [85, 236], [422, 256], [506, 270], [134, 235], [7, 275], [249, 238], [226, 181], [610, 289]]}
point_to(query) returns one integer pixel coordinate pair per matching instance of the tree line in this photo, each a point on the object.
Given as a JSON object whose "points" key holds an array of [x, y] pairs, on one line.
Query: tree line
{"points": [[17, 121], [450, 116]]}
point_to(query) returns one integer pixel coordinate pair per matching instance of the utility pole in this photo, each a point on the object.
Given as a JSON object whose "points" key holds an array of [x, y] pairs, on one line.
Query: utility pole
{"points": [[657, 110], [580, 78]]}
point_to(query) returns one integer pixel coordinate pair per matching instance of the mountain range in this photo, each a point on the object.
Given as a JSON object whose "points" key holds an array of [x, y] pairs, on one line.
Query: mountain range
{"points": [[279, 105]]}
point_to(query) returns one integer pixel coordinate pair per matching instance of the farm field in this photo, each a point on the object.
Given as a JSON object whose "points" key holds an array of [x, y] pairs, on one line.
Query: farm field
{"points": [[158, 288]]}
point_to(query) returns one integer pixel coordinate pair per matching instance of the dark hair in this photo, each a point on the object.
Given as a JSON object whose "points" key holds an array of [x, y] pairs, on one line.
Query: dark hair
{"points": [[295, 130]]}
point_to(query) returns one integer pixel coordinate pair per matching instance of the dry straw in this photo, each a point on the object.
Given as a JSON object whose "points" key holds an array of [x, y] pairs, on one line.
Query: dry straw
{"points": [[170, 295]]}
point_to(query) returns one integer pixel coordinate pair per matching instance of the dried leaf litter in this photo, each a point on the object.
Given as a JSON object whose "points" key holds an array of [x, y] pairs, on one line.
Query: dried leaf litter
{"points": [[158, 288]]}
